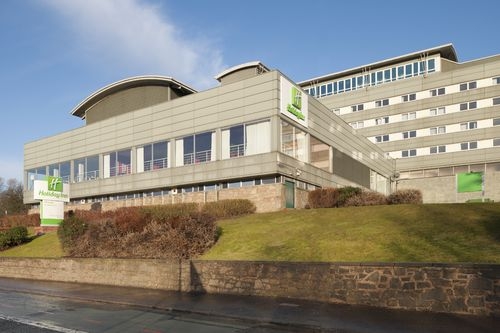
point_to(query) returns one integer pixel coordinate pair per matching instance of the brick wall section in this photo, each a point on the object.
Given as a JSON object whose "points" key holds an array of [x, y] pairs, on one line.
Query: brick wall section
{"points": [[466, 289]]}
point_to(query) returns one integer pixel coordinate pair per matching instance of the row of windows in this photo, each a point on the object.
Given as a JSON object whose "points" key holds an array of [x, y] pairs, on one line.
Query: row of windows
{"points": [[469, 125], [232, 184], [432, 112], [398, 72], [450, 171], [413, 96], [463, 146], [239, 140]]}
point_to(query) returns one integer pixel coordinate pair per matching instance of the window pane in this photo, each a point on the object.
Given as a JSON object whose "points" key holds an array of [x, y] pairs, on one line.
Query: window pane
{"points": [[148, 153]]}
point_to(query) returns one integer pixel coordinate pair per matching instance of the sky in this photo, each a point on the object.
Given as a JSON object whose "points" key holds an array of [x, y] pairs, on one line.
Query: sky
{"points": [[55, 53]]}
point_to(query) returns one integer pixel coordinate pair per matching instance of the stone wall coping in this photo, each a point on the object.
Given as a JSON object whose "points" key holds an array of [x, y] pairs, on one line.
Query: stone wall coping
{"points": [[360, 264], [280, 263]]}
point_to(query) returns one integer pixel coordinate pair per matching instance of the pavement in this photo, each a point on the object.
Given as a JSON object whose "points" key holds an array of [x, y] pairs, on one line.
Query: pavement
{"points": [[291, 314]]}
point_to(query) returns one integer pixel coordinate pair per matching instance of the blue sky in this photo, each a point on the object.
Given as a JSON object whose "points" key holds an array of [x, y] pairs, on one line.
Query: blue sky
{"points": [[54, 53]]}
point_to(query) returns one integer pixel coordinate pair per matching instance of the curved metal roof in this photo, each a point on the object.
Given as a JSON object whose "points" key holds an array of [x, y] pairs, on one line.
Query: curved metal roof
{"points": [[132, 82], [219, 76], [446, 51]]}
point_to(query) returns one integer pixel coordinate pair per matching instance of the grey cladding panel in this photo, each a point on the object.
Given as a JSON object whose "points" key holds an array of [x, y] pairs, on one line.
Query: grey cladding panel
{"points": [[350, 169]]}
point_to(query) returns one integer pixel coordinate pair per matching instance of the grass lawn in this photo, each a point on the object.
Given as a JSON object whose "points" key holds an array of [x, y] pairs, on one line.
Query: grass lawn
{"points": [[401, 233], [46, 246]]}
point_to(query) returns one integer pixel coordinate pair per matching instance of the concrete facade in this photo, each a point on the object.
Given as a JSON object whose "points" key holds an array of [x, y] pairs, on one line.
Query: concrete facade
{"points": [[435, 116], [451, 288], [127, 118]]}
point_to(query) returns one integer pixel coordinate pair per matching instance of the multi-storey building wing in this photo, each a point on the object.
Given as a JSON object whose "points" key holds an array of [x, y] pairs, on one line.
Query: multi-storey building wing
{"points": [[422, 120], [435, 116], [154, 140]]}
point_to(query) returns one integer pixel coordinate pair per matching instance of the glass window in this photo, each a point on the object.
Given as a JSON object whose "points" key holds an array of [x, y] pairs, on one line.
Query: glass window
{"points": [[236, 141], [347, 85], [156, 156], [431, 65], [496, 122], [463, 86], [320, 154], [431, 173], [464, 146], [493, 167], [387, 75], [433, 150], [292, 141], [323, 90], [472, 105], [197, 148], [408, 70], [496, 101], [401, 72], [496, 142], [329, 88], [473, 145], [86, 169], [463, 106], [477, 168], [341, 86], [415, 69], [379, 77], [422, 67], [446, 171], [360, 81], [496, 80]]}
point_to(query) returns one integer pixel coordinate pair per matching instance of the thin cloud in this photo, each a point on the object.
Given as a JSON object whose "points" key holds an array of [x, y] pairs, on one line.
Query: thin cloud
{"points": [[133, 35]]}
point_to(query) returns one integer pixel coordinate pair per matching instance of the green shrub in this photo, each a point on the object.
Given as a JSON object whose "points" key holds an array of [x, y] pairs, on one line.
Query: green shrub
{"points": [[323, 198], [410, 196], [366, 198], [345, 193], [228, 208], [70, 229], [13, 237]]}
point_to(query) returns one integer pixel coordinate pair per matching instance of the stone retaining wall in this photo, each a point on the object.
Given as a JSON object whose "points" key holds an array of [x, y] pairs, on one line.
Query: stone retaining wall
{"points": [[465, 289]]}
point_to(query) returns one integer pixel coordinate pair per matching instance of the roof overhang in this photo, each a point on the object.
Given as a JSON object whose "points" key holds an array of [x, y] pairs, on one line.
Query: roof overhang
{"points": [[447, 51], [133, 82]]}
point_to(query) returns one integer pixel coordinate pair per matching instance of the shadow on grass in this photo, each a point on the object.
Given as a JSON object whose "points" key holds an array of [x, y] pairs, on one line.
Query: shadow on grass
{"points": [[452, 233]]}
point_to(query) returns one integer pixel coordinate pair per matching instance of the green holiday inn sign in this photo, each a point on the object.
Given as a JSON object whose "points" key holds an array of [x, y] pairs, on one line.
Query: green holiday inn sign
{"points": [[294, 102], [51, 189], [295, 106]]}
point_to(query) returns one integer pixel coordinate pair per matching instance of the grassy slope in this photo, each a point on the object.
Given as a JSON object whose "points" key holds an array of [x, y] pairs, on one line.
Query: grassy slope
{"points": [[46, 246], [420, 233]]}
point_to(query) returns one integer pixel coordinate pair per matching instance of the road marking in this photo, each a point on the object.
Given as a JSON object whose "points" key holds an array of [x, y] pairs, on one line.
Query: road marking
{"points": [[40, 325]]}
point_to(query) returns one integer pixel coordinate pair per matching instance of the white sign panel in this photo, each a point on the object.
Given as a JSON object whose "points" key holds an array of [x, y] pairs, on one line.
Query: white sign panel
{"points": [[51, 189], [294, 102], [52, 210]]}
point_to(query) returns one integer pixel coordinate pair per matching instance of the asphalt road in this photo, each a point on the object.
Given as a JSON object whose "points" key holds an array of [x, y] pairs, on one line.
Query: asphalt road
{"points": [[20, 312], [48, 306]]}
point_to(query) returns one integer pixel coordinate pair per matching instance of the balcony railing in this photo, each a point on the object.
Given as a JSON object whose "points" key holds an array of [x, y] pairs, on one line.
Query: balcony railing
{"points": [[198, 157], [87, 176], [237, 150], [160, 163], [122, 169]]}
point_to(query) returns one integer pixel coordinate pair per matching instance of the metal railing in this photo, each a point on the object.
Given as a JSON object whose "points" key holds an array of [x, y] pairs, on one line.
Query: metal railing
{"points": [[160, 163], [237, 150], [198, 157]]}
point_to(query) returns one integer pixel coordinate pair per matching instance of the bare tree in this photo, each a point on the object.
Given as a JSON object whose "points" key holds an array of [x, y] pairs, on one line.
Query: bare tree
{"points": [[11, 197]]}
